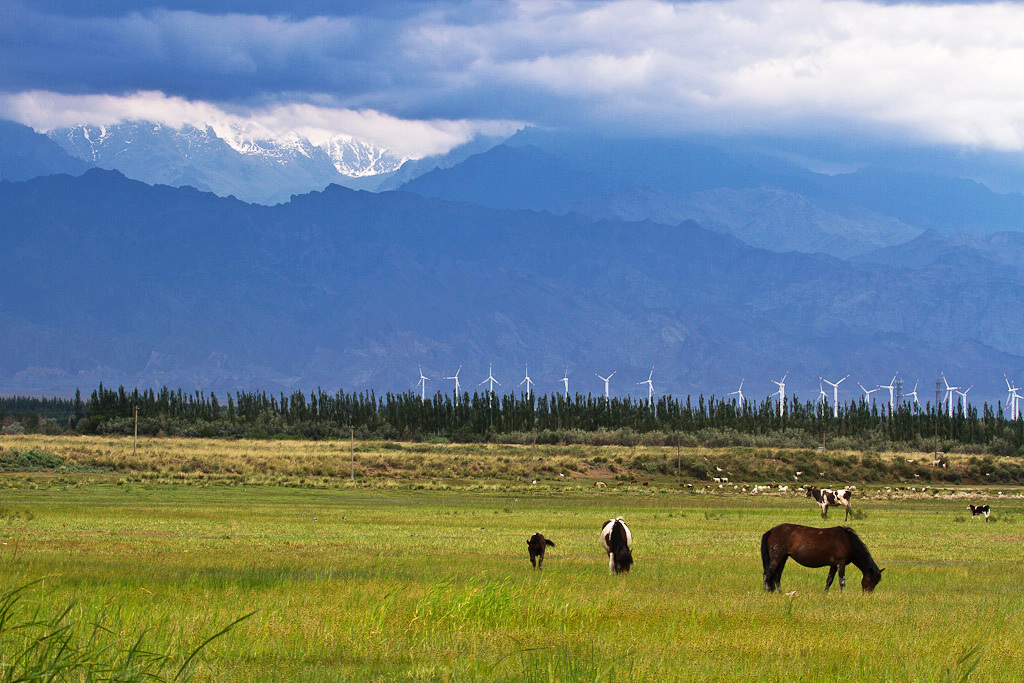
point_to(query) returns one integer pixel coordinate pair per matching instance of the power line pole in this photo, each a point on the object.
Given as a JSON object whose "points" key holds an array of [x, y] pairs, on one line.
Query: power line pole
{"points": [[679, 459], [352, 451], [533, 451]]}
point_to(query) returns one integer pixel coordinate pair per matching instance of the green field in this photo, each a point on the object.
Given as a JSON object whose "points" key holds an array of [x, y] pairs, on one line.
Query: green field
{"points": [[424, 585]]}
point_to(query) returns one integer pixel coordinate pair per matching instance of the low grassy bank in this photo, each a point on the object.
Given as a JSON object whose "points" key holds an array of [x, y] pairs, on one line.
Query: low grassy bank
{"points": [[387, 463]]}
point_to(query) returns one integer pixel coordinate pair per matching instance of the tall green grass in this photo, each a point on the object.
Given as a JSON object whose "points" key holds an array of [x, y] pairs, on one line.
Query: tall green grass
{"points": [[42, 642], [382, 585]]}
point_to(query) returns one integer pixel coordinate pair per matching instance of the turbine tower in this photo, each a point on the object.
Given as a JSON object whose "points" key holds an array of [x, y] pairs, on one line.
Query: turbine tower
{"points": [[565, 380], [1012, 398], [605, 383], [835, 394], [963, 395], [949, 394], [423, 385], [456, 378], [526, 380], [650, 386], [891, 386], [914, 393], [490, 378], [867, 392], [738, 392], [782, 393]]}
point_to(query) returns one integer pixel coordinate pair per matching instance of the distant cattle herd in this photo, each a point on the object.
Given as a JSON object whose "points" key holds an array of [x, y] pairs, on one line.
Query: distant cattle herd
{"points": [[834, 548]]}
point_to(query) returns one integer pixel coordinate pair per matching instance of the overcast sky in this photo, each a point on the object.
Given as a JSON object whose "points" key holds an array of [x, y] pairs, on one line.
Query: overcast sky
{"points": [[420, 77]]}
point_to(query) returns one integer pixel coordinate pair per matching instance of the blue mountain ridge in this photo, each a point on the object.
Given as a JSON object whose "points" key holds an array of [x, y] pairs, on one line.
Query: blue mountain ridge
{"points": [[760, 199], [109, 279], [26, 154]]}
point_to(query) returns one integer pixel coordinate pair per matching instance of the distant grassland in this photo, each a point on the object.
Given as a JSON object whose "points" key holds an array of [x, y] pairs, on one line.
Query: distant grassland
{"points": [[373, 584], [385, 463]]}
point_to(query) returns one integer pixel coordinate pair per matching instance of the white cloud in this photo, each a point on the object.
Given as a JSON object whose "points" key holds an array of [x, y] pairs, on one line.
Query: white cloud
{"points": [[429, 73], [45, 111], [947, 73]]}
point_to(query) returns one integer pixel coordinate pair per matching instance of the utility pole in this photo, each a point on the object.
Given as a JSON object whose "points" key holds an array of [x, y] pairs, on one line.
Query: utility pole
{"points": [[679, 468], [533, 451], [352, 451], [135, 439], [938, 388]]}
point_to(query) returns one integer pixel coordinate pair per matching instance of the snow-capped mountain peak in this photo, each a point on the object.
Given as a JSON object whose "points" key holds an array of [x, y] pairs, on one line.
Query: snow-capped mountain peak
{"points": [[241, 159], [357, 158]]}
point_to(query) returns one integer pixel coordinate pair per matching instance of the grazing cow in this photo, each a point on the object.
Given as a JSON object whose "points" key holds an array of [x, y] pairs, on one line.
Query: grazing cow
{"points": [[537, 544], [978, 510], [617, 542], [827, 497], [600, 484]]}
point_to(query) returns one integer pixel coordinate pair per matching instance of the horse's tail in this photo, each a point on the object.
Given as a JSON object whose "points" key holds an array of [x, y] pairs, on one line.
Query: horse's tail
{"points": [[765, 554], [549, 542]]}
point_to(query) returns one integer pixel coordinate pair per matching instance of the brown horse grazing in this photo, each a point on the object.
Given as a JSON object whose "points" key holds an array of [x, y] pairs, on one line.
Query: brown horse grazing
{"points": [[834, 548]]}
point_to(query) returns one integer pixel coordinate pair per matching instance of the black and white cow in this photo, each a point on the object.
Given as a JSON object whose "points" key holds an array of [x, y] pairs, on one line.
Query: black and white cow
{"points": [[537, 544], [827, 497], [978, 510], [618, 543]]}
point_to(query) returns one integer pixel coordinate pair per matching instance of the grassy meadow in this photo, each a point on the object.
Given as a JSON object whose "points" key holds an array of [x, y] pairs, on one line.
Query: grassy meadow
{"points": [[388, 580]]}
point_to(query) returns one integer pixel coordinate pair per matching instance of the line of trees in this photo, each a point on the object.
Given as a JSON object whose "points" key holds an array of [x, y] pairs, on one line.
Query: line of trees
{"points": [[518, 417]]}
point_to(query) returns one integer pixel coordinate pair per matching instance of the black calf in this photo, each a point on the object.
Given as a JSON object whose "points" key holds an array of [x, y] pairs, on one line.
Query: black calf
{"points": [[537, 544]]}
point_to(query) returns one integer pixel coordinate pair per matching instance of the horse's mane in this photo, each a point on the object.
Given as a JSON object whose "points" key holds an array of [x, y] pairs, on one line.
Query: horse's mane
{"points": [[861, 556]]}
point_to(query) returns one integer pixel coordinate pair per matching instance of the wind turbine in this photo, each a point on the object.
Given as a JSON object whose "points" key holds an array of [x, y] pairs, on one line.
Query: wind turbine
{"points": [[565, 380], [867, 392], [739, 392], [963, 395], [822, 396], [526, 380], [782, 393], [423, 385], [490, 378], [914, 393], [890, 386], [605, 383], [835, 393], [456, 378], [949, 394], [650, 386], [1011, 398]]}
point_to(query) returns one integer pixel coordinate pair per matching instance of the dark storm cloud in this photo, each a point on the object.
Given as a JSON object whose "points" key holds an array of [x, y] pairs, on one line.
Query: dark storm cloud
{"points": [[200, 56]]}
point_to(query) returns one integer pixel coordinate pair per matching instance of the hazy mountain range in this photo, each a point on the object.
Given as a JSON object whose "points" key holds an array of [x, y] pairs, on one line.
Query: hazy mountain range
{"points": [[764, 201], [110, 279], [549, 249]]}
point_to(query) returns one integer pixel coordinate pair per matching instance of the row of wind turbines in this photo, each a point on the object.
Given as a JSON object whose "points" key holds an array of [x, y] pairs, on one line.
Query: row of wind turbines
{"points": [[490, 381], [1013, 396]]}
